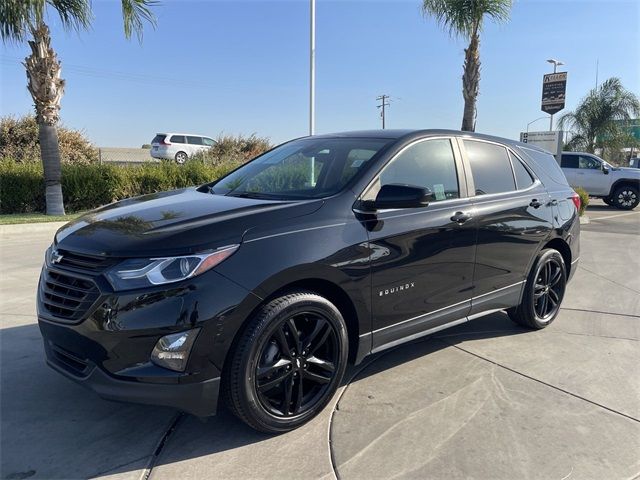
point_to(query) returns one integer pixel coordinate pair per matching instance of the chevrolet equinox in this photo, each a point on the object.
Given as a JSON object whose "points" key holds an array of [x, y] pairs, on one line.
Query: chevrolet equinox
{"points": [[260, 286]]}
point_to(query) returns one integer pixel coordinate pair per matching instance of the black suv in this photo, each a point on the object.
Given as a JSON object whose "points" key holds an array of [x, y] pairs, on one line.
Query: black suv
{"points": [[262, 285]]}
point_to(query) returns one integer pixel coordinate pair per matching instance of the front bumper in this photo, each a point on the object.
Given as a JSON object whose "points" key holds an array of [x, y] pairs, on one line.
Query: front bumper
{"points": [[199, 398]]}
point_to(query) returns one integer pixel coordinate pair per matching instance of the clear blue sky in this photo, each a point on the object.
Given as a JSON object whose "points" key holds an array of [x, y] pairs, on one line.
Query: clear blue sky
{"points": [[242, 67]]}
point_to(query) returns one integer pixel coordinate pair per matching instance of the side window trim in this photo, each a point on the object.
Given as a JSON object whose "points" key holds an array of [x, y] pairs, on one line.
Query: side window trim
{"points": [[460, 172]]}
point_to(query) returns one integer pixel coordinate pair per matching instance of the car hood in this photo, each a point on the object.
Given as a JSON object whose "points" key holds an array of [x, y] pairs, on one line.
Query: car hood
{"points": [[626, 171], [174, 223]]}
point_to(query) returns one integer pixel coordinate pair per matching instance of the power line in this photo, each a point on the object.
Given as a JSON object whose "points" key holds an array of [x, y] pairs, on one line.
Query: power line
{"points": [[385, 102]]}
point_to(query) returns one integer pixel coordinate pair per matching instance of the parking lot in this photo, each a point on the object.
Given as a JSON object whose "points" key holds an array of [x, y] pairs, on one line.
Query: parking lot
{"points": [[486, 399]]}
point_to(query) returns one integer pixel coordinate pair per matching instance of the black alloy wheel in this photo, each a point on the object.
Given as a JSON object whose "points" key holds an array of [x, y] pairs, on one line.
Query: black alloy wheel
{"points": [[543, 292], [549, 289], [287, 363], [296, 364]]}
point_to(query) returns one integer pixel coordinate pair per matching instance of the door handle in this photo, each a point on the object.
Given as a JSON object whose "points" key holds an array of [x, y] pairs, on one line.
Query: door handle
{"points": [[460, 217], [535, 203]]}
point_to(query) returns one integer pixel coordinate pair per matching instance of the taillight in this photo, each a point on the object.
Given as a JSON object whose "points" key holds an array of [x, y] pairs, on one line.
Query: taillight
{"points": [[576, 200]]}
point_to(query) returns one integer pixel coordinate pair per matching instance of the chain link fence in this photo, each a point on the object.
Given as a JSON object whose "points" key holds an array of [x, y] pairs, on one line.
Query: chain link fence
{"points": [[125, 156]]}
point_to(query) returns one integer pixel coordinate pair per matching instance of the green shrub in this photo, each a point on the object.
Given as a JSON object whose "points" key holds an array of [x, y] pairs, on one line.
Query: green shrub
{"points": [[584, 199], [234, 149], [19, 141], [85, 187]]}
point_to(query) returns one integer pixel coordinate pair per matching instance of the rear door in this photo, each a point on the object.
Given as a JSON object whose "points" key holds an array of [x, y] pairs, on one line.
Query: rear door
{"points": [[514, 215], [195, 144], [422, 265]]}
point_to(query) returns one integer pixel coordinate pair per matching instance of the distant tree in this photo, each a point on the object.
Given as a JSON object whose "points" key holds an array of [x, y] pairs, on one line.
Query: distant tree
{"points": [[464, 18], [600, 119], [24, 20]]}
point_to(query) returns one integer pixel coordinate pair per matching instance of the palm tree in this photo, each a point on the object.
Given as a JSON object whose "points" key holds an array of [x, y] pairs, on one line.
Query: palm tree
{"points": [[600, 118], [22, 20], [464, 18]]}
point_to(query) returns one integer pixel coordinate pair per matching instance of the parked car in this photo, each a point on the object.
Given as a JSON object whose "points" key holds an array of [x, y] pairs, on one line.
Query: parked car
{"points": [[179, 146], [262, 285], [634, 162], [618, 186]]}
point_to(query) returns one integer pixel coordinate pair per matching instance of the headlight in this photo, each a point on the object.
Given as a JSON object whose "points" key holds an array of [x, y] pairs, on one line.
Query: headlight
{"points": [[146, 272], [172, 351]]}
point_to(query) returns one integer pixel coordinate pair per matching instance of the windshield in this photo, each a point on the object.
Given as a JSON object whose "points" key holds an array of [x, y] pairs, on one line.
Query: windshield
{"points": [[305, 168]]}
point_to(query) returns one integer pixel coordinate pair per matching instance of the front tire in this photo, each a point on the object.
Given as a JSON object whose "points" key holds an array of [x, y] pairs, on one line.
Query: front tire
{"points": [[287, 363], [543, 293], [626, 197]]}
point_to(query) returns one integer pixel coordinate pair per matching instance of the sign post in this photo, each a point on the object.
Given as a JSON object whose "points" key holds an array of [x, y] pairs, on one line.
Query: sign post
{"points": [[554, 87]]}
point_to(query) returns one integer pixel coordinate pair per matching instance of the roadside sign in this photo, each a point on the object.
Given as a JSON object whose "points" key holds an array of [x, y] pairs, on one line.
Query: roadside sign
{"points": [[554, 86], [549, 141]]}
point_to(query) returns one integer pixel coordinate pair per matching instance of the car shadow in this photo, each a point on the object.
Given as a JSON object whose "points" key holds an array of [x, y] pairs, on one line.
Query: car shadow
{"points": [[52, 427]]}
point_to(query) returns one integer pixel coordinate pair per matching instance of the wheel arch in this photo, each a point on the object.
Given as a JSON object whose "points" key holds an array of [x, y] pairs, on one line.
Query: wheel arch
{"points": [[634, 182], [565, 250]]}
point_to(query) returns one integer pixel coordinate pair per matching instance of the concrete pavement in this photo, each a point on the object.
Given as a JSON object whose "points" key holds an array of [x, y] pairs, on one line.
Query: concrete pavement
{"points": [[485, 400]]}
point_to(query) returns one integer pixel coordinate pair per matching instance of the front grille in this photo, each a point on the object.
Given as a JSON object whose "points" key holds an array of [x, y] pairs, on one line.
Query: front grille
{"points": [[66, 296], [86, 263]]}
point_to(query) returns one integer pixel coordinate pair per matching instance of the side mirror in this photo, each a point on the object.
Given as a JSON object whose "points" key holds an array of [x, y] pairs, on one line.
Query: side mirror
{"points": [[402, 196], [605, 169]]}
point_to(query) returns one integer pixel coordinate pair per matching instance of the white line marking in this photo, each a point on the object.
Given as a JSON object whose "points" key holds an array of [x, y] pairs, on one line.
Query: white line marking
{"points": [[613, 216]]}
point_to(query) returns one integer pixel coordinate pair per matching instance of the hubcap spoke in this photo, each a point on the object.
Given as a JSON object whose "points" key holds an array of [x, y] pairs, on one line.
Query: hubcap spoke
{"points": [[270, 369], [288, 391], [555, 278], [282, 340], [293, 330], [314, 377], [323, 364], [299, 394], [268, 385]]}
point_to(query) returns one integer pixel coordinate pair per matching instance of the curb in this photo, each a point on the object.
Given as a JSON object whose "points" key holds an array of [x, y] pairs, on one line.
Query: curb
{"points": [[585, 220], [41, 227]]}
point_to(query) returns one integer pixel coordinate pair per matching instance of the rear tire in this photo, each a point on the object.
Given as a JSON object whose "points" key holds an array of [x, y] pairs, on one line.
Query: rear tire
{"points": [[543, 292], [181, 157], [626, 197], [287, 363]]}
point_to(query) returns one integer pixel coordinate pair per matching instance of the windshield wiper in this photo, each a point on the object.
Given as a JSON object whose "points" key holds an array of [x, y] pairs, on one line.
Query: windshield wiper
{"points": [[258, 195]]}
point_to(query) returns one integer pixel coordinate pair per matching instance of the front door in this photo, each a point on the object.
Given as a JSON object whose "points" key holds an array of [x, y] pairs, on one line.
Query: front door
{"points": [[422, 268]]}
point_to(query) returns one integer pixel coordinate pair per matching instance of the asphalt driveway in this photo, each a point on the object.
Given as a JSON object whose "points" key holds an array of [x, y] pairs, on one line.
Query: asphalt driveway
{"points": [[487, 399]]}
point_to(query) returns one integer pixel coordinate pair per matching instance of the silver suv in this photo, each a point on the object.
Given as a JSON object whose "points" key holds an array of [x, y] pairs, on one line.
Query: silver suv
{"points": [[618, 186]]}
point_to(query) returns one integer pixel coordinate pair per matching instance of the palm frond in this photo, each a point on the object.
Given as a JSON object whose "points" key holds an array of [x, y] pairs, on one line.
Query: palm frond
{"points": [[464, 17], [135, 13], [18, 17]]}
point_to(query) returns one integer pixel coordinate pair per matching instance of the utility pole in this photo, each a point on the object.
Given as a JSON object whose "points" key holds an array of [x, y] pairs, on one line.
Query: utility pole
{"points": [[312, 68], [384, 103]]}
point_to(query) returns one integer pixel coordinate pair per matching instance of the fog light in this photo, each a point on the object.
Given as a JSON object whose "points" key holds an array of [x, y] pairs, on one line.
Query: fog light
{"points": [[172, 351]]}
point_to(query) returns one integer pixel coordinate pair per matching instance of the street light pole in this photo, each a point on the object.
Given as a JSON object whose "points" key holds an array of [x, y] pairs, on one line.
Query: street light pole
{"points": [[533, 121], [555, 68], [312, 69]]}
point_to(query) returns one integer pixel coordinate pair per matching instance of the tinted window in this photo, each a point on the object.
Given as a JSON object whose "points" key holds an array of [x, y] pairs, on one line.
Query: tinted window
{"points": [[305, 168], [523, 177], [429, 164], [569, 161], [209, 142], [588, 162], [178, 139], [545, 164], [490, 167], [159, 138], [194, 140]]}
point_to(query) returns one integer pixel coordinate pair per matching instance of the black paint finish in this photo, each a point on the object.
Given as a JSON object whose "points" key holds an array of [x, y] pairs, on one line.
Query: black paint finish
{"points": [[395, 274]]}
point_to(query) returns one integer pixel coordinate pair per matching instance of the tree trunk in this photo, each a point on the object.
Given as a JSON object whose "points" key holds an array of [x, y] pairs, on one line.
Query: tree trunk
{"points": [[46, 88], [471, 82]]}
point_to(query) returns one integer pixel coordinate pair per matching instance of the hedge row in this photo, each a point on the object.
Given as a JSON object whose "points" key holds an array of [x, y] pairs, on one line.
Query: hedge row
{"points": [[89, 186]]}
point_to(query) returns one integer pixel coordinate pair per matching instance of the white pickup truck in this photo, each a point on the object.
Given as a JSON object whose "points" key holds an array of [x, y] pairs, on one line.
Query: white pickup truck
{"points": [[618, 186]]}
